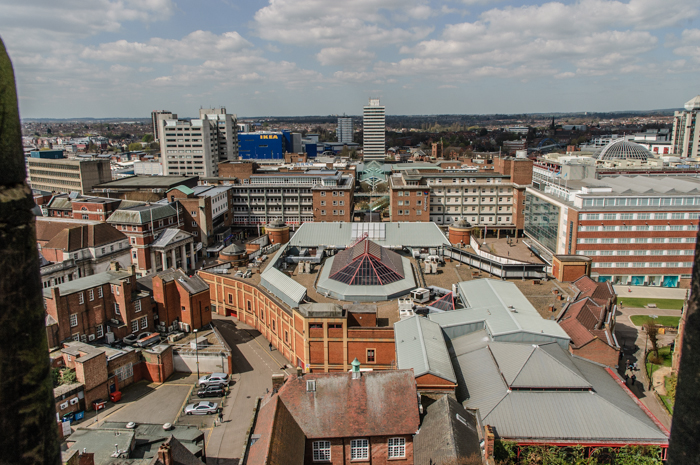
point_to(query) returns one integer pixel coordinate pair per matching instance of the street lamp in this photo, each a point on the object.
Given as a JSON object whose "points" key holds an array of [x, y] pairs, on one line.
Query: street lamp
{"points": [[196, 351]]}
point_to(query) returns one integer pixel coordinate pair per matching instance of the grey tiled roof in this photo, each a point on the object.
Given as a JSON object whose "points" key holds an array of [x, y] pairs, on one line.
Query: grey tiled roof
{"points": [[193, 285], [141, 214]]}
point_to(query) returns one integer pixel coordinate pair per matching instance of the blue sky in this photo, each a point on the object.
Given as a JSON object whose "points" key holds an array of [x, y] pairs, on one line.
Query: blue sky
{"points": [[101, 58]]}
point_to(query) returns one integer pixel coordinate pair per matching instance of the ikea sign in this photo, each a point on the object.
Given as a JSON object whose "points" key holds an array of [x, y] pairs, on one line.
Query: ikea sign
{"points": [[269, 136]]}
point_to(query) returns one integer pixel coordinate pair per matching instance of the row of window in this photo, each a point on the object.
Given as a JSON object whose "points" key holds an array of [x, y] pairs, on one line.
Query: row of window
{"points": [[335, 212], [461, 180], [91, 295], [639, 216], [135, 324], [359, 449], [640, 201], [637, 252], [643, 265], [340, 203], [639, 227], [636, 240], [408, 212]]}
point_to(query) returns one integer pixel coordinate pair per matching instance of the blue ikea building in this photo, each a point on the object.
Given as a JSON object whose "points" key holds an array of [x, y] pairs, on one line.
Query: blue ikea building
{"points": [[264, 145]]}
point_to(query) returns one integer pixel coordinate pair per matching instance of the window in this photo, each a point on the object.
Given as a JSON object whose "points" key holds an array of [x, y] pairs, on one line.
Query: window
{"points": [[230, 298], [137, 306], [99, 331], [124, 372], [397, 447], [91, 295], [359, 449], [81, 298], [116, 308], [609, 216], [194, 224], [321, 451], [74, 320], [134, 326], [99, 292], [193, 213], [370, 355], [323, 193], [144, 322]]}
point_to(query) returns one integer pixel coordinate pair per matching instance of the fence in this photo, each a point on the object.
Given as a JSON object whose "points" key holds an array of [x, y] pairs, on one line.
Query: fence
{"points": [[502, 270]]}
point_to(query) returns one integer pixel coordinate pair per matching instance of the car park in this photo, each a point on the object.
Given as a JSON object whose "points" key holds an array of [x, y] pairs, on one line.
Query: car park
{"points": [[214, 378], [202, 408], [212, 390]]}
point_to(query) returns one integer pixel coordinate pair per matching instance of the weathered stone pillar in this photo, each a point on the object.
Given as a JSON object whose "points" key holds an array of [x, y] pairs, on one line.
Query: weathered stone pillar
{"points": [[27, 410]]}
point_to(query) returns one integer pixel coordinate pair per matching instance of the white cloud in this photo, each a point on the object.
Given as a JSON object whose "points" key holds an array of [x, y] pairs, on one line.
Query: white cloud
{"points": [[689, 45], [339, 56], [197, 45]]}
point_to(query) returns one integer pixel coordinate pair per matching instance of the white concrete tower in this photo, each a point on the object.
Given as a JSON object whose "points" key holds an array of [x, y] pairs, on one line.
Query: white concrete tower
{"points": [[374, 131]]}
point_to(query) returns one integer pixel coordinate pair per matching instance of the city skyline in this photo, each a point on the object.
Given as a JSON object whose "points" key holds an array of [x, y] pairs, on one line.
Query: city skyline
{"points": [[309, 57]]}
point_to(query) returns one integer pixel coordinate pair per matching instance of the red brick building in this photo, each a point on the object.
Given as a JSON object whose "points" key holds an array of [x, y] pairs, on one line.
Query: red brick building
{"points": [[315, 337], [181, 298], [590, 322], [103, 306], [363, 417]]}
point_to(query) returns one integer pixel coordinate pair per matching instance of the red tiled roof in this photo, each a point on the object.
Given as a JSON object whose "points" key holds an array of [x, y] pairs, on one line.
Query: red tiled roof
{"points": [[600, 292], [75, 238], [580, 321], [379, 403], [281, 440]]}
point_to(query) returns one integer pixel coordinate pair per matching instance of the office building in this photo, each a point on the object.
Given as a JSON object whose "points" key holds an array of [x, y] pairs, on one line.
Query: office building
{"points": [[195, 147], [344, 131], [686, 130], [266, 145], [157, 118], [227, 131], [373, 131], [67, 174], [638, 230]]}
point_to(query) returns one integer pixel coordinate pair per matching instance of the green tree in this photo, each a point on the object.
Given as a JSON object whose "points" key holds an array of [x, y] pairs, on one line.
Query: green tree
{"points": [[147, 137], [135, 146]]}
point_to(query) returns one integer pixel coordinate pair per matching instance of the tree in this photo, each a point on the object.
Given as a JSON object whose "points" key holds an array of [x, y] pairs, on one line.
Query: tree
{"points": [[652, 330], [27, 410], [135, 146], [147, 137]]}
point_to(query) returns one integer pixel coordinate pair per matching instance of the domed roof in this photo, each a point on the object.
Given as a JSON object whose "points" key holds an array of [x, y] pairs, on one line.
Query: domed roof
{"points": [[235, 248], [461, 223], [693, 104], [276, 224], [621, 149]]}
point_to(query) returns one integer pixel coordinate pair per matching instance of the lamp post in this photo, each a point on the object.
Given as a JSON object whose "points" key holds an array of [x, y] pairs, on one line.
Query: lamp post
{"points": [[196, 351]]}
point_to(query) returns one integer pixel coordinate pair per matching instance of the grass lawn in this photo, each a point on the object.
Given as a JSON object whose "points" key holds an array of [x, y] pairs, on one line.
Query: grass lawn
{"points": [[639, 320], [666, 359], [633, 302], [670, 389]]}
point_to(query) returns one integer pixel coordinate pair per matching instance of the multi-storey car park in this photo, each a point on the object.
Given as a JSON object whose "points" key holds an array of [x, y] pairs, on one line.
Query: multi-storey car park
{"points": [[638, 230]]}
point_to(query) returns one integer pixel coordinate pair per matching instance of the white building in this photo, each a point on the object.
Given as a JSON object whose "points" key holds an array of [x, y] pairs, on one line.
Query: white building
{"points": [[195, 147], [157, 118], [686, 130], [344, 131], [374, 131]]}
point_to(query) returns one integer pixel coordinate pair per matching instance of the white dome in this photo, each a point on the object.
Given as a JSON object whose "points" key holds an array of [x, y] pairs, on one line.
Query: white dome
{"points": [[621, 149]]}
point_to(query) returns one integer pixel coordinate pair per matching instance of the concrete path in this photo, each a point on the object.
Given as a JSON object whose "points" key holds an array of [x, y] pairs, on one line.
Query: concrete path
{"points": [[253, 365], [647, 292], [632, 339]]}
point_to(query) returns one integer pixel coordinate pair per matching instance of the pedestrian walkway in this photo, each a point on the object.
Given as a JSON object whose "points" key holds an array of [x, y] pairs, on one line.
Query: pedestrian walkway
{"points": [[647, 292]]}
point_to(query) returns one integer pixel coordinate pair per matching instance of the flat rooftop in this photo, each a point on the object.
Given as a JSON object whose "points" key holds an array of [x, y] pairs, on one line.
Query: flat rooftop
{"points": [[147, 181]]}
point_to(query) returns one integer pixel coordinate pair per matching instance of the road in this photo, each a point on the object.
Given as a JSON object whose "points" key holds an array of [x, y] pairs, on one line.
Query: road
{"points": [[253, 366], [633, 340]]}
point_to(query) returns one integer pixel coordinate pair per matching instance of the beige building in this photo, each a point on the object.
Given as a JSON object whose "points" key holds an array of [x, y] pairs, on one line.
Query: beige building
{"points": [[67, 174], [686, 130], [195, 147]]}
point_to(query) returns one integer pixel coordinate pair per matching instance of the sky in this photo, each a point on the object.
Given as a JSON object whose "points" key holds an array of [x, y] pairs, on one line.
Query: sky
{"points": [[125, 58]]}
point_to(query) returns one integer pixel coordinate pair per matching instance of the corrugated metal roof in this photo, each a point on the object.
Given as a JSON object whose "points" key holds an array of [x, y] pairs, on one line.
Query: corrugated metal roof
{"points": [[89, 282], [421, 345], [396, 234], [281, 285], [470, 342], [504, 309], [602, 414]]}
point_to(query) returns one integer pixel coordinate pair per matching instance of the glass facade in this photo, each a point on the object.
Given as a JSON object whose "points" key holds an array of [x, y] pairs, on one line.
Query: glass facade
{"points": [[542, 221]]}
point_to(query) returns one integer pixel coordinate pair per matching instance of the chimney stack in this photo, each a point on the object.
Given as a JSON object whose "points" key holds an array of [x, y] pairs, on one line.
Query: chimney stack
{"points": [[277, 382], [164, 454]]}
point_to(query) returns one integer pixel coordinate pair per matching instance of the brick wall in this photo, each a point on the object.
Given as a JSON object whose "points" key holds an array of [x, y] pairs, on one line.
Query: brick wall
{"points": [[378, 450], [410, 211], [236, 170], [323, 202], [434, 383]]}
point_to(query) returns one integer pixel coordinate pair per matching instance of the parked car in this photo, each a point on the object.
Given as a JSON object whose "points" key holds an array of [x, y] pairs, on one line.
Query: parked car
{"points": [[213, 390], [202, 408], [214, 378]]}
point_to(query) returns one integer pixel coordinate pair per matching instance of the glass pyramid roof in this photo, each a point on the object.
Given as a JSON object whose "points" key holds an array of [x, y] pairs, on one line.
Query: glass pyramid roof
{"points": [[367, 264]]}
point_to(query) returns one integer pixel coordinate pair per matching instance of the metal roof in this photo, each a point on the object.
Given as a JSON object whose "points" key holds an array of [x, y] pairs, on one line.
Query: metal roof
{"points": [[420, 345], [505, 311], [599, 410], [282, 286], [395, 235], [170, 236], [184, 189], [89, 282], [141, 214]]}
